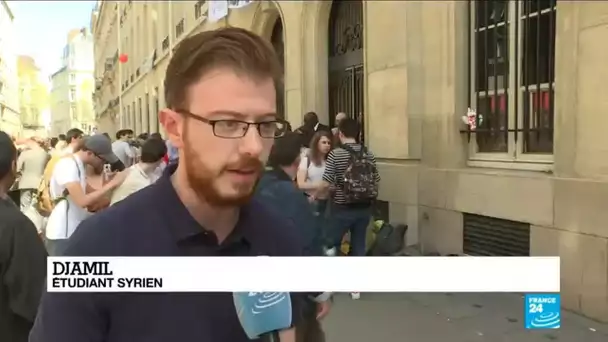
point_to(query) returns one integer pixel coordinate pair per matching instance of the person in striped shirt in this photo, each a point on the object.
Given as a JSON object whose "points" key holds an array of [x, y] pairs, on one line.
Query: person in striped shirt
{"points": [[345, 216]]}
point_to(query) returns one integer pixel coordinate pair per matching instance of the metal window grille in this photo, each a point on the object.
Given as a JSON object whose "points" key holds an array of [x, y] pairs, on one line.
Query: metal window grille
{"points": [[513, 75], [489, 236], [345, 64]]}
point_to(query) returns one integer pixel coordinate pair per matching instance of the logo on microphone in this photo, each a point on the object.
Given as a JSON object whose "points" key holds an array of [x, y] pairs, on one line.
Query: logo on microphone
{"points": [[266, 300]]}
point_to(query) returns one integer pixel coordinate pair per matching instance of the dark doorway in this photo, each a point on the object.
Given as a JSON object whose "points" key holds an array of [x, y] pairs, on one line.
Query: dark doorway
{"points": [[345, 63], [278, 43]]}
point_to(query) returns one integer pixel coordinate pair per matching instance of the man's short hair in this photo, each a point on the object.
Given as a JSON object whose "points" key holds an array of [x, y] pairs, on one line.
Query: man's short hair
{"points": [[61, 137], [349, 128], [285, 150], [234, 48], [72, 134], [153, 150], [53, 142], [8, 154], [311, 119], [123, 132], [156, 135]]}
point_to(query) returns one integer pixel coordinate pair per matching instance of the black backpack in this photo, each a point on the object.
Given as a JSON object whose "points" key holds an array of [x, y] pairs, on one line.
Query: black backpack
{"points": [[360, 183]]}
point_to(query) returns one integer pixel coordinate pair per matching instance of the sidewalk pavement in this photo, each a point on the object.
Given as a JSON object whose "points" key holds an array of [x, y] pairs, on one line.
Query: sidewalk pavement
{"points": [[462, 317]]}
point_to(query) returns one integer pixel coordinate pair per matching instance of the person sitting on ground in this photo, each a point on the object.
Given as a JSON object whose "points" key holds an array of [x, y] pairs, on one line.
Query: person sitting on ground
{"points": [[143, 173]]}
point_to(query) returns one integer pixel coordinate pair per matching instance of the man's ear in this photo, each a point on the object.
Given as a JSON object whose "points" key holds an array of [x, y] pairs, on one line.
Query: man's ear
{"points": [[173, 123]]}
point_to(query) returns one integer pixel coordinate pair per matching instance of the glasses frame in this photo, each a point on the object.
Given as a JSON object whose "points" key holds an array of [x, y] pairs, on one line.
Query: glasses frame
{"points": [[212, 123]]}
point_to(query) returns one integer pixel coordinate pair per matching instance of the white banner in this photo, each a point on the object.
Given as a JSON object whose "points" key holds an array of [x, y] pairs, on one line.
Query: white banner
{"points": [[218, 9], [305, 274], [238, 3]]}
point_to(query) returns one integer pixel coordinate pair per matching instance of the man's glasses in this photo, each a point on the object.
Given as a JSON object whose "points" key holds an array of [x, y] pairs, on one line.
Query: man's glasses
{"points": [[235, 129]]}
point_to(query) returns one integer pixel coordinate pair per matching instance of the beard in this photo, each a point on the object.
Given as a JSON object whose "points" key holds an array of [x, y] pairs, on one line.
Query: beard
{"points": [[206, 185]]}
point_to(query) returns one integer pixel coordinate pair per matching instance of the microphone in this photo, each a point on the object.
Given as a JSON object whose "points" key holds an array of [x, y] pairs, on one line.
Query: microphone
{"points": [[263, 312]]}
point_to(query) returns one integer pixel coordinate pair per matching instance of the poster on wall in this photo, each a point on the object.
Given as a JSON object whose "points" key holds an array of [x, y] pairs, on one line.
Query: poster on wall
{"points": [[218, 9], [238, 3]]}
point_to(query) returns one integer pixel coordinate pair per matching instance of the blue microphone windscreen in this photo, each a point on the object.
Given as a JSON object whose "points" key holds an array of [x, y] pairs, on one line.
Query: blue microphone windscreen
{"points": [[263, 312]]}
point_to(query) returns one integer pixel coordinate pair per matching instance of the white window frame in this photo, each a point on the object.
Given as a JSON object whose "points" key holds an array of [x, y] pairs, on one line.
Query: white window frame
{"points": [[514, 158]]}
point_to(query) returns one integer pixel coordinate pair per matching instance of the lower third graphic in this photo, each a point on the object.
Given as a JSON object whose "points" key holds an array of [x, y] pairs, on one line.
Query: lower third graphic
{"points": [[542, 311]]}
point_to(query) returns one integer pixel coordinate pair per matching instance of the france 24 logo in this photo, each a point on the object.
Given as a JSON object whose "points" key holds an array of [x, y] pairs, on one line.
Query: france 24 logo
{"points": [[542, 311]]}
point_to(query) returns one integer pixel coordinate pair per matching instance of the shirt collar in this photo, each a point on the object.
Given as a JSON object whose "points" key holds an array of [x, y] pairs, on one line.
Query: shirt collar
{"points": [[184, 227], [317, 126]]}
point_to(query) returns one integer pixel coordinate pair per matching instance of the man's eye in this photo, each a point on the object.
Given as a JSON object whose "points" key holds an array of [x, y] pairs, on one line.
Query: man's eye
{"points": [[228, 124]]}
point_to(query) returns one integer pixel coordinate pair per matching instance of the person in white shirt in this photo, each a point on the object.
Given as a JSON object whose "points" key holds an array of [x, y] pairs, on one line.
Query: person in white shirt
{"points": [[143, 173], [312, 167], [68, 188], [73, 138], [122, 148]]}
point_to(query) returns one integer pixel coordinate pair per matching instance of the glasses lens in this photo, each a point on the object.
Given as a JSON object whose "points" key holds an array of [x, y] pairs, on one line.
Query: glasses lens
{"points": [[230, 128], [272, 129]]}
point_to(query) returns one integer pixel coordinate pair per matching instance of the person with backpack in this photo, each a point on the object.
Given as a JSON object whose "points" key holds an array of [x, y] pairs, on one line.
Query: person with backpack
{"points": [[67, 190], [352, 177]]}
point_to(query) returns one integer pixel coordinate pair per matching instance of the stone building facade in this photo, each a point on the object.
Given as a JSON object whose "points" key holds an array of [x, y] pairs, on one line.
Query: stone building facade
{"points": [[529, 180]]}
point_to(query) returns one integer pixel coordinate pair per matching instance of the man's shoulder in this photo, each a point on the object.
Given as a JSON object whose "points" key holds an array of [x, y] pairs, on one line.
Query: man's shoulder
{"points": [[11, 215], [65, 162], [117, 230], [276, 230]]}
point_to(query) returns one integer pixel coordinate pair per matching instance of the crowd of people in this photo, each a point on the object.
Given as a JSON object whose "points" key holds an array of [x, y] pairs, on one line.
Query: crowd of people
{"points": [[218, 186]]}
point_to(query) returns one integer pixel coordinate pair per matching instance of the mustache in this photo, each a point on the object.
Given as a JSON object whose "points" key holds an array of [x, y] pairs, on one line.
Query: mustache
{"points": [[247, 163]]}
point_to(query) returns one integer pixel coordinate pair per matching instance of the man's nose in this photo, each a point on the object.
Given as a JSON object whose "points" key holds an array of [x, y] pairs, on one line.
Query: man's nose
{"points": [[252, 143]]}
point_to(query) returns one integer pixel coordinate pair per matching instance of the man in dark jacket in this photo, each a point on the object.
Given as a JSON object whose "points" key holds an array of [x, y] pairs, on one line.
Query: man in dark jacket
{"points": [[22, 257], [278, 190], [310, 127]]}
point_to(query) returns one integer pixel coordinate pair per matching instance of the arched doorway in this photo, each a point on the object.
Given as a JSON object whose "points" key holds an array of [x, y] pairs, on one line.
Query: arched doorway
{"points": [[345, 61], [277, 40]]}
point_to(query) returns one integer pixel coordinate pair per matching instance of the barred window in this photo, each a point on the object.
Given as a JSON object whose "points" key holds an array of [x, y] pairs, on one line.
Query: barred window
{"points": [[513, 77]]}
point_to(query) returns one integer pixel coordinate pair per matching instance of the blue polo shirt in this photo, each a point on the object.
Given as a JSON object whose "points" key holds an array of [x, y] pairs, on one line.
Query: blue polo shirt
{"points": [[154, 222]]}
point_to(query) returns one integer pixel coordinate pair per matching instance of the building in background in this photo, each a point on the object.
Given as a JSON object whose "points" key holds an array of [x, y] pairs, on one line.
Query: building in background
{"points": [[73, 85], [9, 81], [530, 179], [33, 97]]}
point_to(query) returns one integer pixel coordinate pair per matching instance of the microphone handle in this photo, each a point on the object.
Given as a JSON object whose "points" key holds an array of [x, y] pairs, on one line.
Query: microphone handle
{"points": [[274, 337]]}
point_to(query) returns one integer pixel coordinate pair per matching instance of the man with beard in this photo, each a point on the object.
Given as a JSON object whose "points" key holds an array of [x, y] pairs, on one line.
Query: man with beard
{"points": [[220, 90]]}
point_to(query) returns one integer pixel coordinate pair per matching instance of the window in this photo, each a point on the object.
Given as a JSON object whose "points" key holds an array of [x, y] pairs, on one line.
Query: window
{"points": [[156, 110], [132, 119], [127, 117], [198, 9], [513, 78], [72, 78], [179, 28], [154, 26], [140, 117], [73, 111], [165, 44], [72, 94]]}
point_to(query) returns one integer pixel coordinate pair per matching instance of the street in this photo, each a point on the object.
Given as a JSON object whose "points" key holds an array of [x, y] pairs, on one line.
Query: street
{"points": [[447, 317]]}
